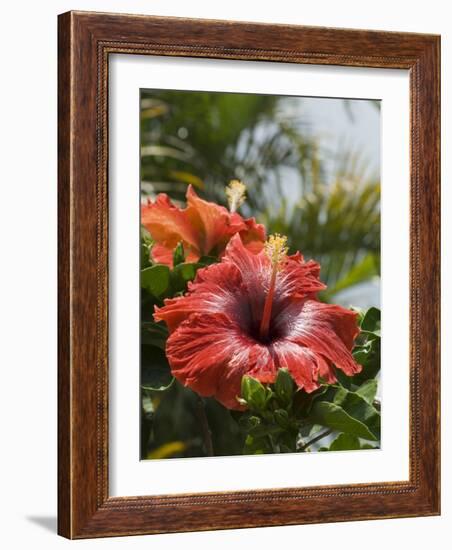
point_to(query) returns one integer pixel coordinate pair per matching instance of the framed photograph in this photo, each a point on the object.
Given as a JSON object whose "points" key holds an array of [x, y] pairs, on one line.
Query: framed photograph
{"points": [[248, 275]]}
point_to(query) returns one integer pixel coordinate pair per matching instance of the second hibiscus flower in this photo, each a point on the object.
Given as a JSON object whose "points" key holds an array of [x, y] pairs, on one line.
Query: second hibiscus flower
{"points": [[203, 227]]}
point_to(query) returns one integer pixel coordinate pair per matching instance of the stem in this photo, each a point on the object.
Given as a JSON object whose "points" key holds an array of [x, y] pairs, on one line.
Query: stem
{"points": [[205, 429], [314, 440]]}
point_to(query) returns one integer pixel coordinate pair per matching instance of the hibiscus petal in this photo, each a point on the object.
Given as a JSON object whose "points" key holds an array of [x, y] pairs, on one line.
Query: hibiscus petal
{"points": [[210, 354], [167, 224], [262, 364], [228, 388], [164, 255], [254, 360], [161, 254], [326, 370], [302, 363], [253, 237], [203, 227], [198, 353], [214, 223], [298, 279], [295, 279], [328, 330], [255, 270], [217, 288]]}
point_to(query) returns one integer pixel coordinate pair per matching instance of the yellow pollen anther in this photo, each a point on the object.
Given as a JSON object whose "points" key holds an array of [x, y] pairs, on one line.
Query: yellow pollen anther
{"points": [[276, 248], [236, 194]]}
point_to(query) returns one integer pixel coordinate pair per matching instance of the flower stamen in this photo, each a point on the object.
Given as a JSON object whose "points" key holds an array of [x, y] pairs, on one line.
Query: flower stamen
{"points": [[276, 250], [236, 194]]}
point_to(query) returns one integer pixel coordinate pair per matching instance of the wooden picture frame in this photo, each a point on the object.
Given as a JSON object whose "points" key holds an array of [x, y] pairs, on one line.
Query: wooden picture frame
{"points": [[86, 40]]}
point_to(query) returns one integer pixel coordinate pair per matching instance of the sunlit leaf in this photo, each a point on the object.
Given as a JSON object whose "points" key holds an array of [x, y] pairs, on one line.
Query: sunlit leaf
{"points": [[334, 417], [368, 390], [345, 442], [358, 407]]}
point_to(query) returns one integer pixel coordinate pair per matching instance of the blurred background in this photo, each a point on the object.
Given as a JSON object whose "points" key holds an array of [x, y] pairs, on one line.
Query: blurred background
{"points": [[312, 171], [311, 166]]}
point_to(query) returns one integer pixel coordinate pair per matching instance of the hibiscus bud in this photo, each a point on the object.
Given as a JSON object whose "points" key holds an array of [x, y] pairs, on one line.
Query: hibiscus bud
{"points": [[249, 422], [254, 421], [178, 254], [282, 418], [254, 393], [284, 387], [236, 194]]}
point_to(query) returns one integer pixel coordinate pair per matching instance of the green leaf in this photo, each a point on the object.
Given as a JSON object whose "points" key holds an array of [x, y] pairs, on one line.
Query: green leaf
{"points": [[186, 271], [344, 380], [154, 334], [360, 312], [369, 336], [144, 255], [333, 416], [156, 279], [284, 387], [178, 254], [345, 442], [369, 357], [371, 320], [155, 370], [303, 402], [368, 390], [182, 274], [357, 407], [208, 260]]}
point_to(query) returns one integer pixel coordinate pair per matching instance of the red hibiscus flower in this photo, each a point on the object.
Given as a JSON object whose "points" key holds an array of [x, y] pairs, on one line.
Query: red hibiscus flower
{"points": [[254, 314], [203, 227]]}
